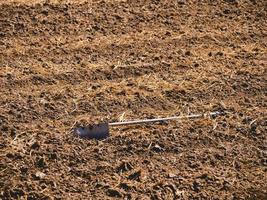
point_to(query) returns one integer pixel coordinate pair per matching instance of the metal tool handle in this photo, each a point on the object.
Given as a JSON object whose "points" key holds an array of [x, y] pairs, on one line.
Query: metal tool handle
{"points": [[165, 119]]}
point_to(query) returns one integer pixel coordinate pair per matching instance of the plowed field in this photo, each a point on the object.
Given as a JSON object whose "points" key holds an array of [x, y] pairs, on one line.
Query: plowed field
{"points": [[64, 63]]}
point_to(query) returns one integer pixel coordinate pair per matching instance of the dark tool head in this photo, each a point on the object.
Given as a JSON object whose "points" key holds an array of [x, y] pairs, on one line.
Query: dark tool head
{"points": [[100, 131]]}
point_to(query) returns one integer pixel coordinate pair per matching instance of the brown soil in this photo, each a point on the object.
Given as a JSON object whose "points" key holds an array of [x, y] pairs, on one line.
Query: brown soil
{"points": [[63, 64]]}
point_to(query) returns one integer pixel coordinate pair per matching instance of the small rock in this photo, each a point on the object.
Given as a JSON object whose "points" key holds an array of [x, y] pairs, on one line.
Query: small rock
{"points": [[101, 185], [44, 102], [157, 148], [172, 175], [40, 175]]}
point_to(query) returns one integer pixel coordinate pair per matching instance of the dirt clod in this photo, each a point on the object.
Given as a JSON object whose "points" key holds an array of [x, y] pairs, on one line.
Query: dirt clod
{"points": [[113, 193]]}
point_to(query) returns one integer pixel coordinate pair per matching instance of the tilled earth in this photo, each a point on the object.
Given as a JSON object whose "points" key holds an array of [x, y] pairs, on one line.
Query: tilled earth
{"points": [[63, 64]]}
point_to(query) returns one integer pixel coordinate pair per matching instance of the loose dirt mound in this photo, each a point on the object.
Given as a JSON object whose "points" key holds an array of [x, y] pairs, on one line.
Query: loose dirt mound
{"points": [[63, 64]]}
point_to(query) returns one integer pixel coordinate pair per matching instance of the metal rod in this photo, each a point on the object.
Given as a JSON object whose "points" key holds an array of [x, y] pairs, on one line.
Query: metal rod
{"points": [[164, 119]]}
